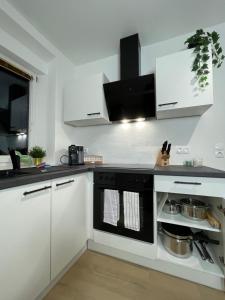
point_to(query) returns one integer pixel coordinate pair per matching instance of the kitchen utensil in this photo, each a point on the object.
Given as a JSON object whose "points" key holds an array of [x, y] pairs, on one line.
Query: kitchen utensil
{"points": [[206, 253], [168, 149], [164, 146], [212, 220], [177, 240], [171, 207], [201, 236], [193, 209], [199, 251]]}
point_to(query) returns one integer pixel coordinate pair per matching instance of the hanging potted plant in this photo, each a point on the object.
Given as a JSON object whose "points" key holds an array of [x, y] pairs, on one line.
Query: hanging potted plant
{"points": [[37, 153], [201, 42]]}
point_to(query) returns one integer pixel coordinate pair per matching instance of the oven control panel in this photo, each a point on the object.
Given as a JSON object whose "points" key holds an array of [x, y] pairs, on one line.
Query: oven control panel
{"points": [[124, 179]]}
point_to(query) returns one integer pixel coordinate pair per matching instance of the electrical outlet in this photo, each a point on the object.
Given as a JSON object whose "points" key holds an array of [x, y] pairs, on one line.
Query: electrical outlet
{"points": [[219, 150], [183, 150], [219, 153]]}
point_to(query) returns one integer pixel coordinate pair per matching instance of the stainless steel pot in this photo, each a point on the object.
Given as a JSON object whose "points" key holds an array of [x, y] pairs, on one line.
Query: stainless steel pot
{"points": [[193, 209], [171, 207], [177, 240]]}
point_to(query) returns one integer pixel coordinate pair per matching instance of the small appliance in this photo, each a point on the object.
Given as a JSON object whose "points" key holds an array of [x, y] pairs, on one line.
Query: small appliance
{"points": [[76, 155]]}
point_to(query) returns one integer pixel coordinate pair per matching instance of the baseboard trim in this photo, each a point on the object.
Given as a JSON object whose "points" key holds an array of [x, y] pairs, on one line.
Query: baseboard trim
{"points": [[62, 273]]}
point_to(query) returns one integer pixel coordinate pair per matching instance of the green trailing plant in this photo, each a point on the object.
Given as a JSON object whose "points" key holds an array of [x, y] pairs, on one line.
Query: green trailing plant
{"points": [[201, 42], [37, 152]]}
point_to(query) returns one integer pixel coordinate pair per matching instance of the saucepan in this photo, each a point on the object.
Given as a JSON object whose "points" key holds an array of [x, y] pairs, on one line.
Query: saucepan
{"points": [[177, 240], [171, 207], [193, 209]]}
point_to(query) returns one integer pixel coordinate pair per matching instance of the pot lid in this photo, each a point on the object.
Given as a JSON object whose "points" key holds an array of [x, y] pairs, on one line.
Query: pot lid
{"points": [[171, 202], [176, 231], [192, 202]]}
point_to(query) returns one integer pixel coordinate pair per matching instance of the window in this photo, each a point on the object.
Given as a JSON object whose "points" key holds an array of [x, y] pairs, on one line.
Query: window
{"points": [[14, 112]]}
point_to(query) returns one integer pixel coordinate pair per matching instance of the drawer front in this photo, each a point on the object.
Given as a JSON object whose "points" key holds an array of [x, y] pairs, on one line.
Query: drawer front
{"points": [[214, 187]]}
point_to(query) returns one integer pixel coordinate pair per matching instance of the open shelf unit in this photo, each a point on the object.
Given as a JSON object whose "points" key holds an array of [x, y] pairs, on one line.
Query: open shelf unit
{"points": [[194, 262], [181, 220], [178, 219]]}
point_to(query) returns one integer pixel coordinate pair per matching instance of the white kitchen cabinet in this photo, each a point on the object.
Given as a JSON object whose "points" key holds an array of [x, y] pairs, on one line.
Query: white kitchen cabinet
{"points": [[68, 221], [190, 185], [212, 192], [84, 101], [177, 92], [25, 241]]}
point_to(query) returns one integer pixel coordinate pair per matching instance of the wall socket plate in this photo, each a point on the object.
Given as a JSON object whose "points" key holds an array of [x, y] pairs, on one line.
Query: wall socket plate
{"points": [[183, 150], [219, 153], [219, 150], [86, 150]]}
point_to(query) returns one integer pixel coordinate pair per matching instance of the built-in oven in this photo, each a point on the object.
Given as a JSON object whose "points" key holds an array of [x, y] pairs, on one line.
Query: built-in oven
{"points": [[123, 204]]}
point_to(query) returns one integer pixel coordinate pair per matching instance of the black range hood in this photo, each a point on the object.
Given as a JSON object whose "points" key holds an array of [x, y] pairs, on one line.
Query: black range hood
{"points": [[132, 97]]}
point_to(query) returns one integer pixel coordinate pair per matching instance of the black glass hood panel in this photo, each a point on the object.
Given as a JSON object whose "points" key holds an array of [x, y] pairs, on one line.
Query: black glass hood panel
{"points": [[131, 99]]}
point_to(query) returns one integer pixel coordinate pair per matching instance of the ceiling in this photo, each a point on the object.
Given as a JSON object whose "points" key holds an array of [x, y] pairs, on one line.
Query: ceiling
{"points": [[87, 30]]}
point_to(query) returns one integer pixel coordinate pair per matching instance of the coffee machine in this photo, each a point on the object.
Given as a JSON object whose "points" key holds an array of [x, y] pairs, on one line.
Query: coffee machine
{"points": [[76, 155]]}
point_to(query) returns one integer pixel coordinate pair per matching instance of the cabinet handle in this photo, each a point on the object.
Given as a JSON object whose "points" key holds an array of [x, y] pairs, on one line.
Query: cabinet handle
{"points": [[66, 182], [169, 103], [94, 114], [38, 190], [186, 182]]}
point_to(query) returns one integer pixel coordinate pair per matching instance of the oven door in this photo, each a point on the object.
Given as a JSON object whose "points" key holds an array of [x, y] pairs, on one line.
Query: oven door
{"points": [[144, 210]]}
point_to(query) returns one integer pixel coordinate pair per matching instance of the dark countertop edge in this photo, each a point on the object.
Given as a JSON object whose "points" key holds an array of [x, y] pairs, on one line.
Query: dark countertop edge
{"points": [[189, 174], [167, 171], [171, 171], [35, 178]]}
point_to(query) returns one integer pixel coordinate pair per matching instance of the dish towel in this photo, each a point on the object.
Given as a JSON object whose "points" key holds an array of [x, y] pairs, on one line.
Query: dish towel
{"points": [[111, 207], [131, 210]]}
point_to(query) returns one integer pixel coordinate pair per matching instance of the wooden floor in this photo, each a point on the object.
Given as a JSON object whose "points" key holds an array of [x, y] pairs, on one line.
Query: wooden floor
{"points": [[99, 277]]}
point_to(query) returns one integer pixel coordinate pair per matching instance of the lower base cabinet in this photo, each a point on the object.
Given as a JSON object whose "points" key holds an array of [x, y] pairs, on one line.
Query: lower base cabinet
{"points": [[25, 241], [68, 221], [42, 228]]}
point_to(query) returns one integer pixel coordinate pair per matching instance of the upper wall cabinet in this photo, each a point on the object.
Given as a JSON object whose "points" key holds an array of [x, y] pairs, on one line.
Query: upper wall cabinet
{"points": [[84, 102], [177, 92]]}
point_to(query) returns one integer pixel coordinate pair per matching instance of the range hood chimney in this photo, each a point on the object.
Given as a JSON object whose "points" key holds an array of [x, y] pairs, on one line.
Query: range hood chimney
{"points": [[132, 97], [129, 57]]}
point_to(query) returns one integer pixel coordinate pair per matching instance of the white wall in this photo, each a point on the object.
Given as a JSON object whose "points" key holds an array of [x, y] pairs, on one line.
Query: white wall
{"points": [[47, 127], [46, 94], [131, 143], [139, 143]]}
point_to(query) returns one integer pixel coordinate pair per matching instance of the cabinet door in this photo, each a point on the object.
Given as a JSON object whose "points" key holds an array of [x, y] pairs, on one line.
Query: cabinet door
{"points": [[69, 233], [176, 87], [25, 241], [84, 101]]}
